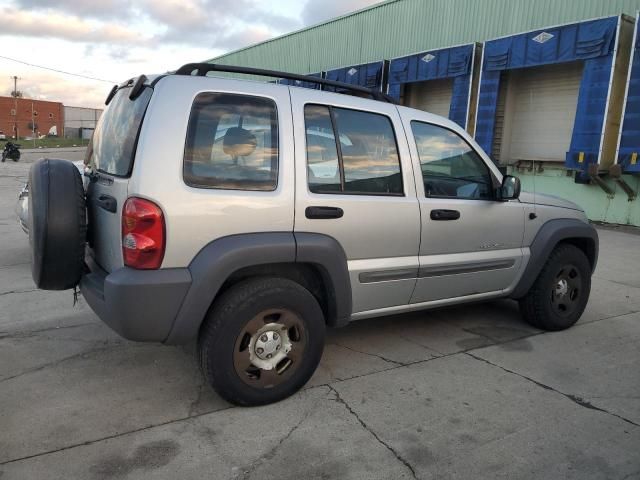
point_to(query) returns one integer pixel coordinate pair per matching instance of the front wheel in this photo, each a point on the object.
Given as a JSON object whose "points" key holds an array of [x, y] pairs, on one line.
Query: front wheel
{"points": [[560, 293], [262, 341]]}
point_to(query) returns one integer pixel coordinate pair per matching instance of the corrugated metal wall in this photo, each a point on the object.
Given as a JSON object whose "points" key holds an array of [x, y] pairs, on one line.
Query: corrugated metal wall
{"points": [[400, 27]]}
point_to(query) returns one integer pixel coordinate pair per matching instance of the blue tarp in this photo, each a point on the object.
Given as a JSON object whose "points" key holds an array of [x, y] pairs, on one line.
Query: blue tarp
{"points": [[629, 153], [452, 62], [299, 83], [368, 75], [591, 42]]}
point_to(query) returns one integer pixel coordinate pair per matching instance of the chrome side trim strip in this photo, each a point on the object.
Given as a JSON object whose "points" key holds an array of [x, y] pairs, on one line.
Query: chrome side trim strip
{"points": [[388, 275], [440, 270], [373, 276]]}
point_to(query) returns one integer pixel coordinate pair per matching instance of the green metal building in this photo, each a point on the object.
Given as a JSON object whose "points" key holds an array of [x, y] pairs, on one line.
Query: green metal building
{"points": [[533, 113]]}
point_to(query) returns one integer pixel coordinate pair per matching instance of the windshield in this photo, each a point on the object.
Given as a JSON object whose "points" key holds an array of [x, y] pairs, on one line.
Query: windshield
{"points": [[116, 135]]}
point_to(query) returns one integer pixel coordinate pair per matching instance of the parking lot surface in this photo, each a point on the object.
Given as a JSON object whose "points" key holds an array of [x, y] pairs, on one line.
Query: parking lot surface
{"points": [[467, 392]]}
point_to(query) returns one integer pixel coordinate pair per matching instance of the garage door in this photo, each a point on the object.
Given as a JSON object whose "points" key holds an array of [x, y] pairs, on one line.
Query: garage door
{"points": [[540, 110], [433, 96]]}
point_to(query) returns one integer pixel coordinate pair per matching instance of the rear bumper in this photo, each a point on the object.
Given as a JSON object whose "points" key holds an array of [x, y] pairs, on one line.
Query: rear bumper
{"points": [[139, 305]]}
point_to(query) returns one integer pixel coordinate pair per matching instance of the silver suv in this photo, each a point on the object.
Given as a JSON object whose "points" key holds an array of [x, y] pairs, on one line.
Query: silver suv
{"points": [[250, 216]]}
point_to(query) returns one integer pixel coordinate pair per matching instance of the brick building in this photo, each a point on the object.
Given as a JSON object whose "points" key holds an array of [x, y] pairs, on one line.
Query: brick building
{"points": [[21, 112]]}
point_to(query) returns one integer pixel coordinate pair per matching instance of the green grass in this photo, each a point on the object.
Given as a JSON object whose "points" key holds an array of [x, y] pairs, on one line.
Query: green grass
{"points": [[49, 142]]}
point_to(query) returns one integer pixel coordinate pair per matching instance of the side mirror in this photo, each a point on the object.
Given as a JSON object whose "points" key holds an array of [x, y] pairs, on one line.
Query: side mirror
{"points": [[510, 188]]}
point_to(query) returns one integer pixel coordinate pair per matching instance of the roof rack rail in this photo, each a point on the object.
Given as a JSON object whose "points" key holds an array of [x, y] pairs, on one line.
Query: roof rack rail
{"points": [[201, 69]]}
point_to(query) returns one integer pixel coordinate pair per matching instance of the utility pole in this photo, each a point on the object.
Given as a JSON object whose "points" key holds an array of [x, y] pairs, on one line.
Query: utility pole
{"points": [[33, 126], [15, 79]]}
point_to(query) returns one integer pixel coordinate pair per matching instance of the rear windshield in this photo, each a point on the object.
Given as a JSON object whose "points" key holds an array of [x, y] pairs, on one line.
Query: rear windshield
{"points": [[115, 137]]}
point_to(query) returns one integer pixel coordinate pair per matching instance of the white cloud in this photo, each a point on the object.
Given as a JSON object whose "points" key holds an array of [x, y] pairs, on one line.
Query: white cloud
{"points": [[80, 8], [119, 39], [179, 14], [68, 27]]}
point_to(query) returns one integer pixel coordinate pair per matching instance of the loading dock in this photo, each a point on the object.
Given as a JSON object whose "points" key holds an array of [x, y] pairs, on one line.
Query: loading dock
{"points": [[628, 148], [437, 81], [538, 109], [550, 94], [371, 75]]}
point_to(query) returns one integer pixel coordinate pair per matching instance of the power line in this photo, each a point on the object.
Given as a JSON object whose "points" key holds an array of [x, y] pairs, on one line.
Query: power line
{"points": [[58, 71]]}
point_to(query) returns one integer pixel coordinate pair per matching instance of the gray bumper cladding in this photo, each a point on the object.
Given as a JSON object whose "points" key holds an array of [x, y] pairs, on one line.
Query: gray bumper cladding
{"points": [[139, 305]]}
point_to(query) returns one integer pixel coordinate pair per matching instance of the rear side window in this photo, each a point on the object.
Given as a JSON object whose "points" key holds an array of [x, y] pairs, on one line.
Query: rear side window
{"points": [[232, 143], [116, 135], [364, 160]]}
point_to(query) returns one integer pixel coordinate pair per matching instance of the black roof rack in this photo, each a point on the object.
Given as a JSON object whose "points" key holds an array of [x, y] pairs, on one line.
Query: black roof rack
{"points": [[201, 69]]}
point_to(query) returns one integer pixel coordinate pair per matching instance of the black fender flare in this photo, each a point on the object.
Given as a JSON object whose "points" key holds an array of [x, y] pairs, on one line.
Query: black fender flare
{"points": [[218, 260], [328, 256], [550, 234]]}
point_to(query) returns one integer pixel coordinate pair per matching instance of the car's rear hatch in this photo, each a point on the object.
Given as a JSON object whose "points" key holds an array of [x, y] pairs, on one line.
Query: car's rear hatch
{"points": [[111, 156]]}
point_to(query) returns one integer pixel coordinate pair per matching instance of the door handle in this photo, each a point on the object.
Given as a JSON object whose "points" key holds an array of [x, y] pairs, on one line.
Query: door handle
{"points": [[445, 214], [323, 212], [108, 203]]}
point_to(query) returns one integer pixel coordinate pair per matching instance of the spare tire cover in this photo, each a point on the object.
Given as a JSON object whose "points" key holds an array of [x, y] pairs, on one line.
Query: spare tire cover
{"points": [[57, 224]]}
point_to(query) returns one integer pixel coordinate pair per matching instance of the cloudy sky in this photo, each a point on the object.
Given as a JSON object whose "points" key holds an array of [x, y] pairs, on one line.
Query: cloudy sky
{"points": [[114, 40]]}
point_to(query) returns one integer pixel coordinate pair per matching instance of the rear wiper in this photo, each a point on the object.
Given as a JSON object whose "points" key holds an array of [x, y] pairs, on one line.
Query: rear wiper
{"points": [[112, 94]]}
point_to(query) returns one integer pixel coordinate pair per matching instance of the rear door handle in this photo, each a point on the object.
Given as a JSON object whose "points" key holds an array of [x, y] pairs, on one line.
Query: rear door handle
{"points": [[323, 212], [108, 203], [445, 214]]}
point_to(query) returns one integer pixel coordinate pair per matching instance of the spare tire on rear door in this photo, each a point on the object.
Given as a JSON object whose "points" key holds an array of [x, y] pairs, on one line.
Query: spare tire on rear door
{"points": [[57, 224]]}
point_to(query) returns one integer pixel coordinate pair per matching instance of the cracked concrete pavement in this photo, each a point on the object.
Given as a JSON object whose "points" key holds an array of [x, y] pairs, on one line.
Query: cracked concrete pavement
{"points": [[466, 392]]}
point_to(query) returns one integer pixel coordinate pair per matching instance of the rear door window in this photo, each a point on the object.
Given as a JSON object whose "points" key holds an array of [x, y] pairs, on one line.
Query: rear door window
{"points": [[232, 143], [116, 135], [363, 161]]}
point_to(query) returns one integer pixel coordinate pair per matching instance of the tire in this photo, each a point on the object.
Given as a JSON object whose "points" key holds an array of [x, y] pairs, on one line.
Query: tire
{"points": [[231, 336], [559, 295], [57, 224]]}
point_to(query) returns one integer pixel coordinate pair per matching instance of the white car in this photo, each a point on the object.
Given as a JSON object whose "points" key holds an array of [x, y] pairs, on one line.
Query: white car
{"points": [[22, 207]]}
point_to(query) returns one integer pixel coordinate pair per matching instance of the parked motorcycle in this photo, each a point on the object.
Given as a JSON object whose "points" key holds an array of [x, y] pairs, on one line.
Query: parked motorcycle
{"points": [[11, 151]]}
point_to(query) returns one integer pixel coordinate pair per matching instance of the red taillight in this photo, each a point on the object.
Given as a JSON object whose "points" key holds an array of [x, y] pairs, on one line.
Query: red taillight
{"points": [[142, 234]]}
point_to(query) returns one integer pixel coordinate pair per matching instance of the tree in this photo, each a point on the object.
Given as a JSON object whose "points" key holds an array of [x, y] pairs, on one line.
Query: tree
{"points": [[17, 94]]}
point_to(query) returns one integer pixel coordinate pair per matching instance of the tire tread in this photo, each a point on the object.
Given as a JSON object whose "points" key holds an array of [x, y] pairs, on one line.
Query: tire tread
{"points": [[533, 306], [223, 309]]}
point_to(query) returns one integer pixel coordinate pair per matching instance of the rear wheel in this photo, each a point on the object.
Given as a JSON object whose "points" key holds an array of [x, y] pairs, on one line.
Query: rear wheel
{"points": [[559, 295], [262, 341]]}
